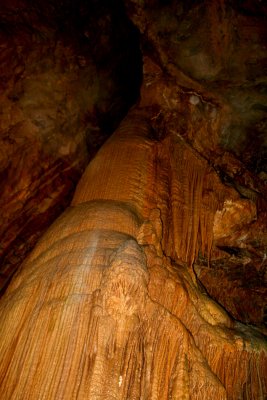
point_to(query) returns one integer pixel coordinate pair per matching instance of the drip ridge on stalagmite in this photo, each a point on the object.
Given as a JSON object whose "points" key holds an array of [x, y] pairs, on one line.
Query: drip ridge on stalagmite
{"points": [[147, 330]]}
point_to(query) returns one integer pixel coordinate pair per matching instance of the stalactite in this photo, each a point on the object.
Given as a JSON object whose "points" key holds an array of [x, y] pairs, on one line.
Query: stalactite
{"points": [[220, 340], [195, 200]]}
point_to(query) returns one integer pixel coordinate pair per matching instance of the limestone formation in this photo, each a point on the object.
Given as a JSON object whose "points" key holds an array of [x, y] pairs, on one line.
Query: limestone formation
{"points": [[100, 310], [146, 286], [205, 81]]}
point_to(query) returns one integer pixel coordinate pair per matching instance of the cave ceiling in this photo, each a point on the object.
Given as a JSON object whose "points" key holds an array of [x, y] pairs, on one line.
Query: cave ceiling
{"points": [[70, 71]]}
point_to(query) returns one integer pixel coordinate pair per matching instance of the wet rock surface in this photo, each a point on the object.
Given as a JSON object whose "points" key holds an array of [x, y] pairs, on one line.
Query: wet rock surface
{"points": [[100, 308], [170, 212], [205, 73]]}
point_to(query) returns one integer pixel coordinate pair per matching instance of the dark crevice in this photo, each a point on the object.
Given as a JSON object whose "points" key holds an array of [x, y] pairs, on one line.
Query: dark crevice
{"points": [[74, 69]]}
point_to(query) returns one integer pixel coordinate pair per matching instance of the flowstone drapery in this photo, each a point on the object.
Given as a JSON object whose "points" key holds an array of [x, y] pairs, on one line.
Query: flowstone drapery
{"points": [[107, 305]]}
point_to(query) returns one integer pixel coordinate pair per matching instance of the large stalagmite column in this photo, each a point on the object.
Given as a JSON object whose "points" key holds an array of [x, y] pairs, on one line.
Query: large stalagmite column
{"points": [[105, 306]]}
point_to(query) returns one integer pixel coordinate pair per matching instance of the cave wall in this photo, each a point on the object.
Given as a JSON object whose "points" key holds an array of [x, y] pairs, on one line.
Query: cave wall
{"points": [[170, 212], [64, 88], [205, 78]]}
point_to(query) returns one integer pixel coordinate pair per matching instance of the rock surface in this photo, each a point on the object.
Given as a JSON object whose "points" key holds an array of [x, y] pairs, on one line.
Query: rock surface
{"points": [[113, 303], [59, 101], [205, 82], [99, 311]]}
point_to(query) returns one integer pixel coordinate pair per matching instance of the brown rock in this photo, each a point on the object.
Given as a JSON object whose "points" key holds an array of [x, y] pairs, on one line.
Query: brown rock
{"points": [[113, 302], [204, 66], [58, 104], [99, 311]]}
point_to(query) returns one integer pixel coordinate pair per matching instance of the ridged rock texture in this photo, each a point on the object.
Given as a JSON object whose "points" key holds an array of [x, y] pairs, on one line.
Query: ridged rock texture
{"points": [[99, 311], [205, 81], [147, 285]]}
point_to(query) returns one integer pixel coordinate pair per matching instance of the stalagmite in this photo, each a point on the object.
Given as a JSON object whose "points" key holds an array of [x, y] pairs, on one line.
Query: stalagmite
{"points": [[100, 310]]}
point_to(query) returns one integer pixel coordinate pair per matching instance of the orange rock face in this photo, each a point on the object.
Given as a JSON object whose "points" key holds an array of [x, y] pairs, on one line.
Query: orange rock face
{"points": [[105, 308], [113, 302], [204, 68]]}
